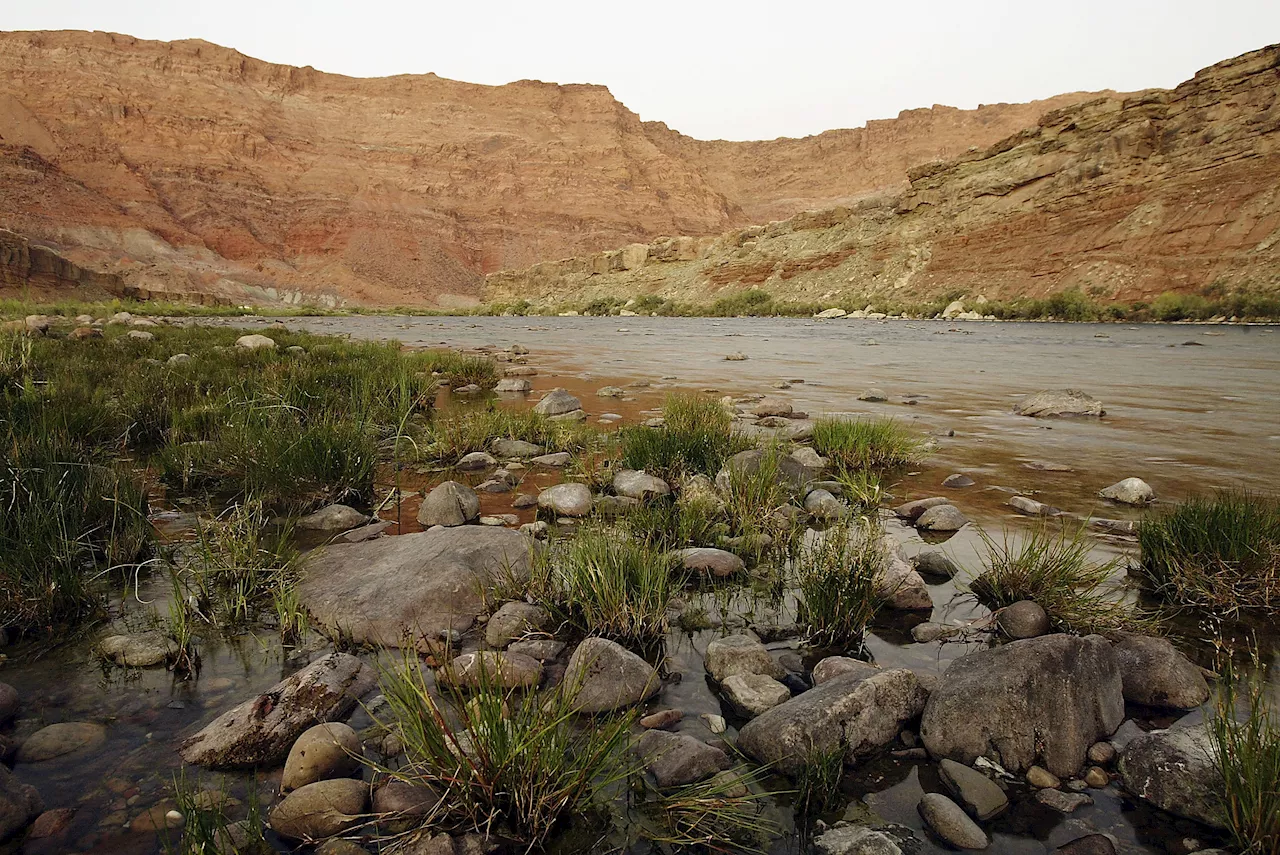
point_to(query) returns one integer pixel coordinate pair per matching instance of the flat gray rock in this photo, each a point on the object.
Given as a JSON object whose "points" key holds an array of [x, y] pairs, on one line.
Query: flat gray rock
{"points": [[979, 795], [952, 824], [413, 587], [676, 759], [1059, 402]]}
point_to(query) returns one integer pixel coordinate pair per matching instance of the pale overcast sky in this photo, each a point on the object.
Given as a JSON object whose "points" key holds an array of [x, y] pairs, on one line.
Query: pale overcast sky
{"points": [[731, 70]]}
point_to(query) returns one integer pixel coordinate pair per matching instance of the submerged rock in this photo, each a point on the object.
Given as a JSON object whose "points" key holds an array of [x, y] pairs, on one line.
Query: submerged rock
{"points": [[1156, 674], [602, 675], [1039, 700], [1130, 491], [329, 750], [942, 518], [55, 740], [333, 518], [934, 566], [448, 504], [958, 480], [1059, 402], [855, 840], [676, 759], [260, 731], [20, 804], [740, 654], [860, 714], [321, 810], [1032, 508], [913, 509], [410, 588], [570, 499], [1177, 771], [140, 649]]}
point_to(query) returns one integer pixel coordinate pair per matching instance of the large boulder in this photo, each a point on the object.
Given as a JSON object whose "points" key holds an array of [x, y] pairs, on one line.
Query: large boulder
{"points": [[863, 714], [1059, 402], [603, 675], [20, 804], [329, 750], [570, 499], [1039, 701], [557, 402], [676, 759], [1176, 770], [448, 504], [321, 810], [1156, 674], [740, 654], [260, 731], [411, 588], [638, 484]]}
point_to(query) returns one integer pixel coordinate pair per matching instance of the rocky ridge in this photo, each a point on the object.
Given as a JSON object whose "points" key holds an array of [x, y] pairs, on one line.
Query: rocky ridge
{"points": [[1124, 199], [188, 168]]}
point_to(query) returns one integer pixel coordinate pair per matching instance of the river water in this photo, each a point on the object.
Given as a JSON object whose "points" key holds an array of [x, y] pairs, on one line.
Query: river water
{"points": [[1189, 408]]}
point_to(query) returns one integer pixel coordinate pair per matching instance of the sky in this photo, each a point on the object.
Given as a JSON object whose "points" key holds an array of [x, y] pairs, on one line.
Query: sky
{"points": [[721, 70]]}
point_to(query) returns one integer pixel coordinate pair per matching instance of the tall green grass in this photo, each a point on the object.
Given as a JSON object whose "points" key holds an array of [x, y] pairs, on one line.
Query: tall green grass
{"points": [[1055, 570], [514, 764], [1245, 730], [836, 577], [1220, 552], [875, 444], [696, 437], [605, 584]]}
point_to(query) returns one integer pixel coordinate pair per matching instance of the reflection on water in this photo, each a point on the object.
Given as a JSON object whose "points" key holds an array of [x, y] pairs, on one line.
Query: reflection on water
{"points": [[1184, 418]]}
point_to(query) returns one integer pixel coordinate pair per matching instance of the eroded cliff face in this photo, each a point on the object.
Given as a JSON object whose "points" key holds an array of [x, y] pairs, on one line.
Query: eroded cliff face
{"points": [[188, 167], [1164, 190]]}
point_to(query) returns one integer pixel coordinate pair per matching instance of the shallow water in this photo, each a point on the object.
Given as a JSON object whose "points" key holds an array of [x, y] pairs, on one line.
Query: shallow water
{"points": [[1184, 418]]}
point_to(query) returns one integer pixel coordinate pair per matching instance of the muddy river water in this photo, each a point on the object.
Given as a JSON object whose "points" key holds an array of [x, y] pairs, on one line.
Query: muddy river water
{"points": [[1189, 409]]}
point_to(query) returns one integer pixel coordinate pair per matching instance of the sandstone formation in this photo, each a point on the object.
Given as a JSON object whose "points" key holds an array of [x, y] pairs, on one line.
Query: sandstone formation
{"points": [[185, 167], [1122, 198]]}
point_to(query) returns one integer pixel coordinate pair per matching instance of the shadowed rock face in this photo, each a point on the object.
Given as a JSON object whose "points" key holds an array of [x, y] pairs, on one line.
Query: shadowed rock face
{"points": [[185, 166], [415, 586], [1123, 198]]}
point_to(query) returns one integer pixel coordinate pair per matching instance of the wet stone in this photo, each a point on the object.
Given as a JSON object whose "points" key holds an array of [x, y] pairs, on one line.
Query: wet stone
{"points": [[951, 823], [1062, 802]]}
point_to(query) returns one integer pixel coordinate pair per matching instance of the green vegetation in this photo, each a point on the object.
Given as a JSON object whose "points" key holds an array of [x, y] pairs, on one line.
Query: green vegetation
{"points": [[516, 764], [1248, 756], [836, 576], [696, 437], [1220, 553], [865, 444], [818, 781], [475, 430], [206, 827], [1055, 571], [603, 584], [722, 814]]}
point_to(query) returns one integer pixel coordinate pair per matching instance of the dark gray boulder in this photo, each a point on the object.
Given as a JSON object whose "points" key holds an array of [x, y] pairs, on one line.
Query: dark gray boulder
{"points": [[603, 675], [1043, 700], [1156, 674], [676, 759], [1176, 770]]}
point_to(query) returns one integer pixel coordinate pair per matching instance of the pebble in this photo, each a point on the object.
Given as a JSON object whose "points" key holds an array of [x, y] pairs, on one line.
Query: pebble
{"points": [[715, 722], [1096, 777], [1102, 753], [1041, 778], [662, 719], [1062, 802]]}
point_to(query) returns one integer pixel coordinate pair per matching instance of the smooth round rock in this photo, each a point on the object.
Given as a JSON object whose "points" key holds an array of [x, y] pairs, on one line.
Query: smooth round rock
{"points": [[495, 669], [1130, 491], [942, 518], [59, 739], [1102, 753], [711, 561], [951, 823], [557, 402], [1023, 619], [320, 810], [1043, 779], [981, 796], [957, 480], [1096, 777], [333, 518], [934, 566], [330, 750], [567, 500], [449, 504], [1091, 844], [255, 342]]}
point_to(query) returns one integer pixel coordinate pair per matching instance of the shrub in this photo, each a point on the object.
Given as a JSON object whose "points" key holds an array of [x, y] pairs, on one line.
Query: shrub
{"points": [[836, 576], [865, 443], [1055, 571], [515, 763], [1220, 552], [608, 585]]}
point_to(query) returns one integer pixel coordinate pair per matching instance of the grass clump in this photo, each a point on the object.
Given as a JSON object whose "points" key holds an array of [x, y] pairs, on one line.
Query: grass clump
{"points": [[610, 585], [836, 576], [1220, 552], [818, 780], [724, 813], [875, 444], [512, 764], [696, 437], [1055, 571], [206, 822], [1245, 730], [457, 433]]}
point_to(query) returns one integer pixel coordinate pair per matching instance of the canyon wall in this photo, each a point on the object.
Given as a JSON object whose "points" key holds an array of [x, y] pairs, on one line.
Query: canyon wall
{"points": [[186, 168], [1123, 198]]}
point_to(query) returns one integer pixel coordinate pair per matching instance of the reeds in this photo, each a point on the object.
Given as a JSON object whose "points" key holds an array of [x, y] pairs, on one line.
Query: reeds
{"points": [[1055, 571], [836, 576], [1220, 552], [1245, 730], [696, 437], [876, 444]]}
